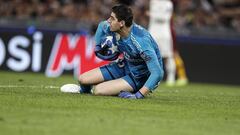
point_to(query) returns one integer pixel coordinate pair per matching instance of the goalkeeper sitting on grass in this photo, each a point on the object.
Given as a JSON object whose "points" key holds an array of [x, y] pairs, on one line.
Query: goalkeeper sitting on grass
{"points": [[133, 77]]}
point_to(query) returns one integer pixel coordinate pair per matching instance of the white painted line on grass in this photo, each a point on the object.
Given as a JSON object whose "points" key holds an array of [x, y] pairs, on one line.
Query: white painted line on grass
{"points": [[30, 86]]}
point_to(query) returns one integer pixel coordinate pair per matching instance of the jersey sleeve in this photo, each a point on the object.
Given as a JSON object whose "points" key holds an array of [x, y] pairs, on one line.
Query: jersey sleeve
{"points": [[153, 65], [102, 30]]}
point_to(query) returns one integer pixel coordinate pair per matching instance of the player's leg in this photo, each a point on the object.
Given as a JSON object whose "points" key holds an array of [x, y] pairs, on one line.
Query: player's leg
{"points": [[166, 49], [91, 77], [108, 72], [115, 79], [181, 72], [180, 68], [125, 83], [105, 73], [171, 70], [112, 87], [86, 80]]}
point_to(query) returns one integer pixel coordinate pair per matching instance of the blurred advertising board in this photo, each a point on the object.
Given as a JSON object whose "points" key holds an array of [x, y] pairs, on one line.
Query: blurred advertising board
{"points": [[51, 53]]}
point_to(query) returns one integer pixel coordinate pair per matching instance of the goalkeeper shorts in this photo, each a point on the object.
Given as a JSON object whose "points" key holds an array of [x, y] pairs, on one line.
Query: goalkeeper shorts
{"points": [[117, 70]]}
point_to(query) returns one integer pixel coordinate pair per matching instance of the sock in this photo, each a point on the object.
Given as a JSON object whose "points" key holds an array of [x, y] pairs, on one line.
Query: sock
{"points": [[85, 88], [181, 72], [171, 70]]}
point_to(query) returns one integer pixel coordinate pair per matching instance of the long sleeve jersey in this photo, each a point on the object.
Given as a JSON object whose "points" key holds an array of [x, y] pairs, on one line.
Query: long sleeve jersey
{"points": [[140, 51]]}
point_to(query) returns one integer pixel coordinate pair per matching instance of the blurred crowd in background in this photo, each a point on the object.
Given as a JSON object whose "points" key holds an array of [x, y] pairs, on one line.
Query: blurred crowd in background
{"points": [[217, 14]]}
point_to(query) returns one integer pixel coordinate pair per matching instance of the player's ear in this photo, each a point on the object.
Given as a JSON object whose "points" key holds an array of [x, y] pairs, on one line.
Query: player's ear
{"points": [[122, 23]]}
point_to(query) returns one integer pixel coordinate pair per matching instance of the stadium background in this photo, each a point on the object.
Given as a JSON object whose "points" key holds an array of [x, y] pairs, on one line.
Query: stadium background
{"points": [[208, 34], [53, 38]]}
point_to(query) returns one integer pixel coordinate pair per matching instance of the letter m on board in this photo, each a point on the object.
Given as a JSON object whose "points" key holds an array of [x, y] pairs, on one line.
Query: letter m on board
{"points": [[72, 52]]}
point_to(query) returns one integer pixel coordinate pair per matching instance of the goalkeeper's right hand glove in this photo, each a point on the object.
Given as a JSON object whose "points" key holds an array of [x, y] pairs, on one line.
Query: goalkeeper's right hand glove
{"points": [[129, 95], [101, 53]]}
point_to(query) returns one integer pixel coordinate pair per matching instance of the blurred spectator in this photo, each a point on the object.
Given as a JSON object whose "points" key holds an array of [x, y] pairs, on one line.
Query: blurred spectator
{"points": [[160, 14], [188, 13], [229, 12]]}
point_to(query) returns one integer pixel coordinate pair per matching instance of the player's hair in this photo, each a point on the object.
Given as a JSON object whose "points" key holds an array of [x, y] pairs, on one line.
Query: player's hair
{"points": [[124, 13], [126, 2]]}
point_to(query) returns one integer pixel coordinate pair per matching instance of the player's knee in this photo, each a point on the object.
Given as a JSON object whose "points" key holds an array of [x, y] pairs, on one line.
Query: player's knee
{"points": [[82, 79], [99, 90]]}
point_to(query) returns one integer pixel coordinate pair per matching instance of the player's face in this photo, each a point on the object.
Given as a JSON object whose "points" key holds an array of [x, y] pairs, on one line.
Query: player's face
{"points": [[115, 25]]}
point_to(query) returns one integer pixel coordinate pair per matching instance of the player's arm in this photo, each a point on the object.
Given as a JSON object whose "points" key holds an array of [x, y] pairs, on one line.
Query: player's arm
{"points": [[101, 33], [151, 59], [156, 75], [156, 71]]}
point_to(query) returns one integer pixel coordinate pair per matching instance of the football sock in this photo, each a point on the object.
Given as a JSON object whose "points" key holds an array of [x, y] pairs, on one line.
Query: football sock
{"points": [[85, 88], [171, 70], [181, 72]]}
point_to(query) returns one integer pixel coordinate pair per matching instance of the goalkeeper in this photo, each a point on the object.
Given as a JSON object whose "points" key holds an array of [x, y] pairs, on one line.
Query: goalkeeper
{"points": [[137, 74]]}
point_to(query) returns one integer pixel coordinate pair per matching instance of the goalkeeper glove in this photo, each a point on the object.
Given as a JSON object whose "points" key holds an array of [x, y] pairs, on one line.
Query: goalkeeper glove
{"points": [[101, 53], [129, 95]]}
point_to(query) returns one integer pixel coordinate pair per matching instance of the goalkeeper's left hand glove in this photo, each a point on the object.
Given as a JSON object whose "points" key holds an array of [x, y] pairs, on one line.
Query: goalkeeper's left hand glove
{"points": [[129, 95], [100, 53]]}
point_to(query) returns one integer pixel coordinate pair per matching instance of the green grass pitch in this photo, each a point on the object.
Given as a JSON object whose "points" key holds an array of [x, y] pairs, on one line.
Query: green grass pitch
{"points": [[31, 104]]}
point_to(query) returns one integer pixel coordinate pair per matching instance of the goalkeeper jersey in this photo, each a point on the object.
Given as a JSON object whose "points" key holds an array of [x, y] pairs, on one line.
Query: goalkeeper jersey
{"points": [[140, 52]]}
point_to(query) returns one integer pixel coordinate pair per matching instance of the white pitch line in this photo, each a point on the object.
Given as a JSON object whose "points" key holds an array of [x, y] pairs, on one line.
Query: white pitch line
{"points": [[30, 86]]}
